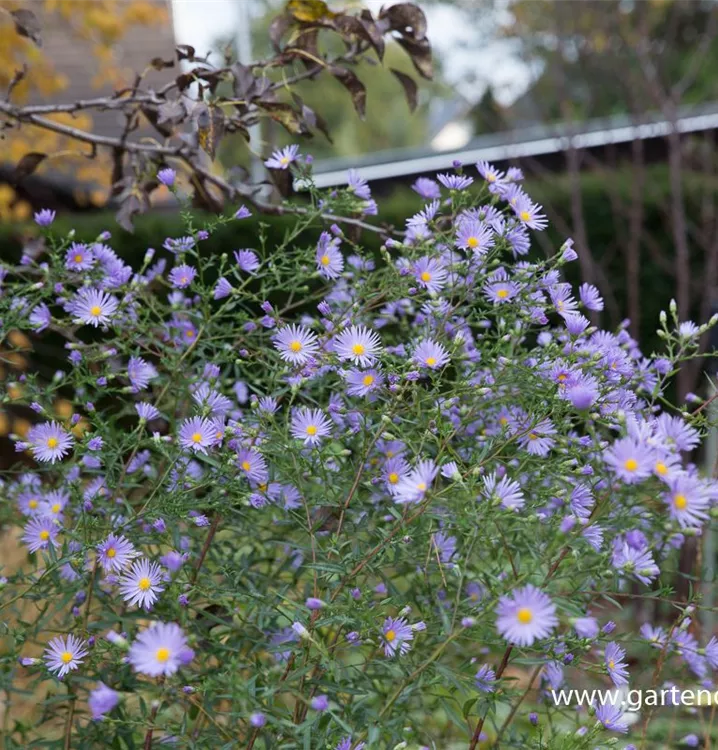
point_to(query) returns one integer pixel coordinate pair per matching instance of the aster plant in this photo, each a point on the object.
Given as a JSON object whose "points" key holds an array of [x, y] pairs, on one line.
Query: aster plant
{"points": [[341, 500]]}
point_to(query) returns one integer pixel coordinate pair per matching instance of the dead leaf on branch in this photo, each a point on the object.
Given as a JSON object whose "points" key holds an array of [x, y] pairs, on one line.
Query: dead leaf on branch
{"points": [[353, 85], [27, 25], [28, 164], [411, 90]]}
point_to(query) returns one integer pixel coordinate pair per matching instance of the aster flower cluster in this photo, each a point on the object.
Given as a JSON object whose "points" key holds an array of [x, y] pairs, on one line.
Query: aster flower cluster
{"points": [[334, 492]]}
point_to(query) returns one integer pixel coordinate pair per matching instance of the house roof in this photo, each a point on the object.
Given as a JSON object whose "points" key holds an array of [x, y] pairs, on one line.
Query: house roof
{"points": [[508, 146]]}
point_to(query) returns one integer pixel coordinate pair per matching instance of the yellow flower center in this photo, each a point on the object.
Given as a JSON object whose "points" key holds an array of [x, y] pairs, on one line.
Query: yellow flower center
{"points": [[431, 361], [368, 380], [284, 160], [56, 508], [44, 535], [197, 437], [111, 552], [162, 654], [562, 376], [680, 501], [358, 349], [143, 584], [311, 429], [389, 454], [524, 215], [630, 464], [52, 442], [324, 260], [246, 465], [490, 177], [661, 468], [533, 436], [426, 276], [390, 635], [611, 664], [66, 657], [421, 486], [296, 346], [78, 258], [393, 477], [503, 420], [524, 616], [472, 242], [32, 504], [189, 334], [184, 280], [502, 293], [95, 310]]}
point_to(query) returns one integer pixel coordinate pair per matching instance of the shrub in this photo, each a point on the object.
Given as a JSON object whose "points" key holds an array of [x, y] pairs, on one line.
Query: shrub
{"points": [[314, 497]]}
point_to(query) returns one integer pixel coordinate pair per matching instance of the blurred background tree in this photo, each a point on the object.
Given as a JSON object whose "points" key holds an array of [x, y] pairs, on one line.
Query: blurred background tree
{"points": [[41, 72]]}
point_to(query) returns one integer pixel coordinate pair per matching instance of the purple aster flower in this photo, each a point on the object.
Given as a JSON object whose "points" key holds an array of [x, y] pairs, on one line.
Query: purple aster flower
{"points": [[182, 276], [426, 188], [222, 289], [320, 703], [711, 651], [398, 635], [146, 411], [160, 650], [253, 464], [489, 172], [538, 441], [310, 425], [363, 382], [197, 434], [330, 262], [208, 398], [454, 181], [525, 616], [485, 679], [296, 344], [141, 584], [395, 469], [282, 158], [529, 213], [582, 392], [430, 274], [358, 185], [64, 655], [257, 719], [475, 236], [430, 354], [613, 656], [314, 603], [675, 433], [413, 487], [689, 500], [140, 373], [635, 562], [242, 213], [40, 317], [445, 547], [505, 491], [102, 700], [247, 260], [44, 217], [93, 307], [115, 553], [631, 460], [40, 533], [49, 442], [95, 443], [358, 344], [79, 257], [586, 627], [346, 744], [656, 636], [590, 297], [167, 176], [611, 717], [501, 291]]}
